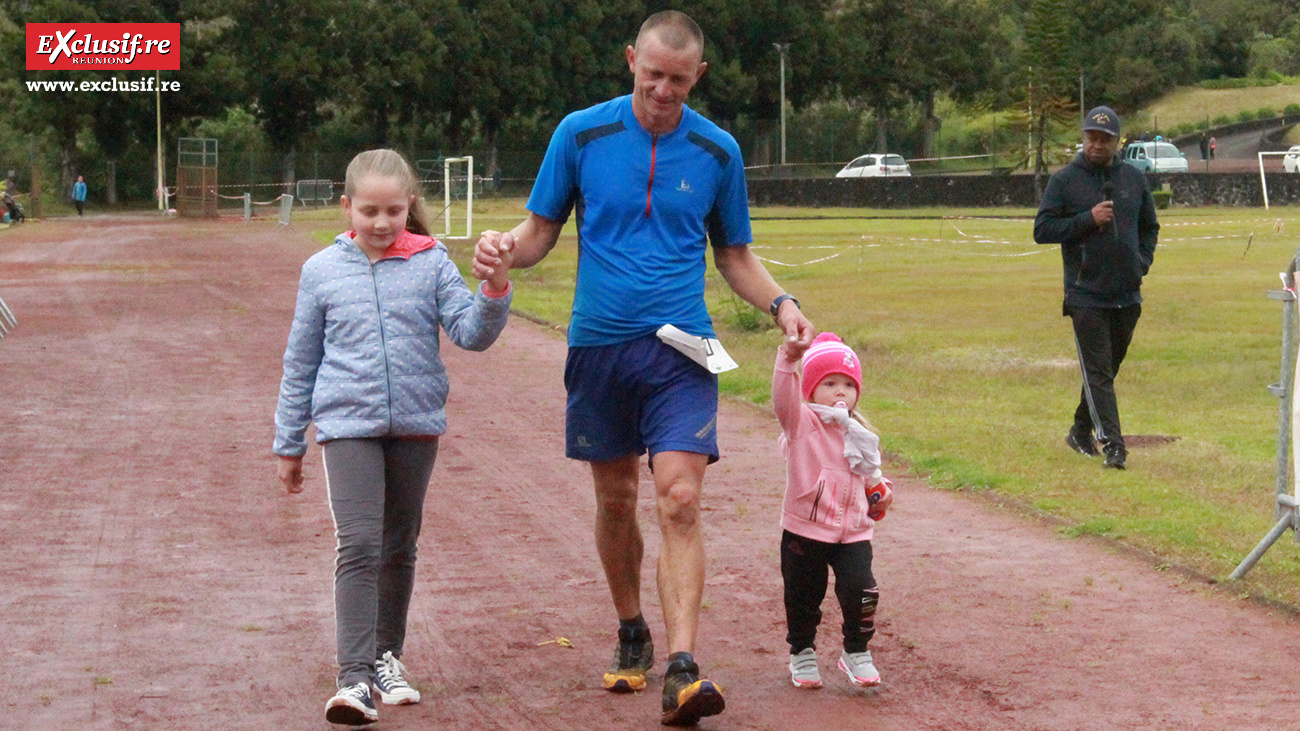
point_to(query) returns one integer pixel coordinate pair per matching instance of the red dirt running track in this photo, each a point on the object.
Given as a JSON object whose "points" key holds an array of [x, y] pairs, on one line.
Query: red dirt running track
{"points": [[155, 576]]}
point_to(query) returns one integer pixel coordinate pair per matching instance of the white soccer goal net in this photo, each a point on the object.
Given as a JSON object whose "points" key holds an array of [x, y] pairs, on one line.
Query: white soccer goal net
{"points": [[457, 184], [1273, 168]]}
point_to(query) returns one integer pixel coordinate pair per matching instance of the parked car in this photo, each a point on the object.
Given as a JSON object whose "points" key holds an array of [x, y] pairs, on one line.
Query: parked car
{"points": [[876, 166], [1155, 157], [1291, 161]]}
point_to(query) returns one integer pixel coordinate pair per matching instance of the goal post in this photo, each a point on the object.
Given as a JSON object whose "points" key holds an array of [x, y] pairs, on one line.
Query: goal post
{"points": [[453, 182], [1263, 180]]}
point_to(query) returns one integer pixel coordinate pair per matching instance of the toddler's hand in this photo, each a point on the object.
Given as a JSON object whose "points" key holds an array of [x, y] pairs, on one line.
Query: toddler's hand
{"points": [[794, 347]]}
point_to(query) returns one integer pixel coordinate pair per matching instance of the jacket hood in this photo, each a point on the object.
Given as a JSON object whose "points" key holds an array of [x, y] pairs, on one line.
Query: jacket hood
{"points": [[1081, 161]]}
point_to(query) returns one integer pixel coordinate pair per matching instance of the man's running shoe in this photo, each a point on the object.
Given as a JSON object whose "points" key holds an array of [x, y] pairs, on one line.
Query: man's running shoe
{"points": [[804, 672], [687, 698], [393, 688], [352, 706], [858, 666], [634, 655]]}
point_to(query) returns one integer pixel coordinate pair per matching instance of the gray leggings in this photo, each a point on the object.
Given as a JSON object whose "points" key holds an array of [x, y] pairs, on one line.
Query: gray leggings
{"points": [[376, 489]]}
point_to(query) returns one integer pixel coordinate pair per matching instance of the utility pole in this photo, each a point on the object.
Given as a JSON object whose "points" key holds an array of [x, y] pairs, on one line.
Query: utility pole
{"points": [[782, 48], [162, 184], [1082, 109]]}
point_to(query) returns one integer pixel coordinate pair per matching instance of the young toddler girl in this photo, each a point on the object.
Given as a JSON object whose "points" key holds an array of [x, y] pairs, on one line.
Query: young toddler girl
{"points": [[834, 495]]}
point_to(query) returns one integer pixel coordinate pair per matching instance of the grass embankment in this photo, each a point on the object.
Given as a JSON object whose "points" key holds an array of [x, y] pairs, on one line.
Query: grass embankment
{"points": [[1195, 105], [970, 372]]}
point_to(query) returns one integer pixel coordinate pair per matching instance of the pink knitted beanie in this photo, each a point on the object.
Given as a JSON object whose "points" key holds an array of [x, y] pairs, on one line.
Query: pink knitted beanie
{"points": [[828, 354]]}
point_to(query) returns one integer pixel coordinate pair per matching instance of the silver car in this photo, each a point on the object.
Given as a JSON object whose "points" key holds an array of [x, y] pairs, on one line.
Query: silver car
{"points": [[876, 166], [1155, 157], [1291, 161]]}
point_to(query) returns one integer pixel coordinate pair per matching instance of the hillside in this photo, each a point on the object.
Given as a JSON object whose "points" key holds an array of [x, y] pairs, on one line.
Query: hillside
{"points": [[1194, 104]]}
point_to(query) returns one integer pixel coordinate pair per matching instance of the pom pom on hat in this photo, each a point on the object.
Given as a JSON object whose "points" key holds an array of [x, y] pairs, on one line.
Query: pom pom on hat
{"points": [[828, 354]]}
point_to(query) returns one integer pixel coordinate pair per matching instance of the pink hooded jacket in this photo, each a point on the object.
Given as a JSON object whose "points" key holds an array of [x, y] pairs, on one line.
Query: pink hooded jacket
{"points": [[824, 499]]}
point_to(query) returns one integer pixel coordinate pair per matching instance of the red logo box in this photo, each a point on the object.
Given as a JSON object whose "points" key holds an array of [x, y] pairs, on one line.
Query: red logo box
{"points": [[103, 46]]}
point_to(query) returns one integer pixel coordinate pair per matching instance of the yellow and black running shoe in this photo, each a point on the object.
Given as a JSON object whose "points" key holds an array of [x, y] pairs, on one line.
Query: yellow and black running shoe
{"points": [[634, 655]]}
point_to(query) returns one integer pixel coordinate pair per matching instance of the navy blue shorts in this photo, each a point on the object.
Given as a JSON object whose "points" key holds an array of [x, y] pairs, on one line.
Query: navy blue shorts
{"points": [[638, 396]]}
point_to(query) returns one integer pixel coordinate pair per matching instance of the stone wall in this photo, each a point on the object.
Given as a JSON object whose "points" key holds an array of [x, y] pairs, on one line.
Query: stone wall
{"points": [[1229, 189], [989, 191]]}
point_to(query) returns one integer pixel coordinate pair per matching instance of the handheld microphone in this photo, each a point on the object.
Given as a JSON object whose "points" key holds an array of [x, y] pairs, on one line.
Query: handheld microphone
{"points": [[1108, 191]]}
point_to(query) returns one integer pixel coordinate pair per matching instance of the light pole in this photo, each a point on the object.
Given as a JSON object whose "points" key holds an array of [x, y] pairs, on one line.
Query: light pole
{"points": [[1082, 113], [781, 48]]}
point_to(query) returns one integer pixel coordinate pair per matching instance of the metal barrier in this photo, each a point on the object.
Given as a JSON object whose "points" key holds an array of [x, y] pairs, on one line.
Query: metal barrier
{"points": [[315, 190]]}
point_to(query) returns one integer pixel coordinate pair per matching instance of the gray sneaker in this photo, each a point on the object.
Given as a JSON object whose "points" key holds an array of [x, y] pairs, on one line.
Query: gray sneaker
{"points": [[858, 667], [803, 669], [352, 706], [392, 686]]}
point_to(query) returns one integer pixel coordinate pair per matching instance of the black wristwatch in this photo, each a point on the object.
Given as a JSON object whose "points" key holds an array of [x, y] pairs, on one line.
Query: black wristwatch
{"points": [[776, 303]]}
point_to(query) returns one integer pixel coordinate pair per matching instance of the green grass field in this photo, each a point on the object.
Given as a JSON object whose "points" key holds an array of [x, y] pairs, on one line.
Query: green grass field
{"points": [[971, 377]]}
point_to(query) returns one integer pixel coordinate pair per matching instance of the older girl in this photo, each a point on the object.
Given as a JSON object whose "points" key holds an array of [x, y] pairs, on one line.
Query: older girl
{"points": [[362, 363]]}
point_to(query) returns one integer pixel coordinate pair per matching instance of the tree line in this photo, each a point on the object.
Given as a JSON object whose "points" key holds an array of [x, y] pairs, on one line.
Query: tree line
{"points": [[499, 74]]}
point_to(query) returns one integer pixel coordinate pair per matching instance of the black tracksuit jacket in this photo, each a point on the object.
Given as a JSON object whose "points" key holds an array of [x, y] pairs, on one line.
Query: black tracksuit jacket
{"points": [[1104, 265]]}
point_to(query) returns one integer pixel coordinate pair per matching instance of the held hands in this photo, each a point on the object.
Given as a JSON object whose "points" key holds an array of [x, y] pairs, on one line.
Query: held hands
{"points": [[493, 255], [799, 332], [289, 470], [1103, 213]]}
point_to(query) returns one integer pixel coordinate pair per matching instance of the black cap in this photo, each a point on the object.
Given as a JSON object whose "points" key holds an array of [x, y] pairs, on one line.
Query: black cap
{"points": [[1102, 119]]}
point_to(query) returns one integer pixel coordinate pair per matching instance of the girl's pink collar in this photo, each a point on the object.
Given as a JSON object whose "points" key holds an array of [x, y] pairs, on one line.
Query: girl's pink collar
{"points": [[404, 245]]}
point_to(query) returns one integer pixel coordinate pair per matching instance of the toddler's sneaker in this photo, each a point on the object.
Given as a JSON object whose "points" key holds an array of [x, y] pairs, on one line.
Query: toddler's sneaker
{"points": [[393, 688], [352, 706], [634, 655], [803, 669], [857, 665], [687, 697]]}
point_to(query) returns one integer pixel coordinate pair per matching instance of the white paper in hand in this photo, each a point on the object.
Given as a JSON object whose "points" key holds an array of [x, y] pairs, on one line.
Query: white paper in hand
{"points": [[708, 352]]}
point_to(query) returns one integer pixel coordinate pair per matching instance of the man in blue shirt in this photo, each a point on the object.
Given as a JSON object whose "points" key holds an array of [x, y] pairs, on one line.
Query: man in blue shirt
{"points": [[653, 184]]}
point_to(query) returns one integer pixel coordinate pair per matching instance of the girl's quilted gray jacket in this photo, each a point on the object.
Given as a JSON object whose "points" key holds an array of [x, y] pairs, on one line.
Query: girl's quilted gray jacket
{"points": [[362, 359]]}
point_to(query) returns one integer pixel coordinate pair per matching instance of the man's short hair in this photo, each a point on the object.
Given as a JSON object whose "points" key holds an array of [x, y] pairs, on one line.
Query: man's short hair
{"points": [[675, 28]]}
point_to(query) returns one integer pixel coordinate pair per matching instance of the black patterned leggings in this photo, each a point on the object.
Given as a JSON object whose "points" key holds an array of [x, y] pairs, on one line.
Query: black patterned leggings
{"points": [[804, 565]]}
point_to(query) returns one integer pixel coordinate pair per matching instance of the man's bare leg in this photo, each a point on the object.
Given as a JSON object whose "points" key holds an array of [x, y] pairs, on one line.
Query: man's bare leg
{"points": [[618, 537], [679, 484], [618, 541]]}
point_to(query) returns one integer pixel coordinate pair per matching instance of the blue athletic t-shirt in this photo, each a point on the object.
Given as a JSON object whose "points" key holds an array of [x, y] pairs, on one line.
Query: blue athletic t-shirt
{"points": [[647, 206]]}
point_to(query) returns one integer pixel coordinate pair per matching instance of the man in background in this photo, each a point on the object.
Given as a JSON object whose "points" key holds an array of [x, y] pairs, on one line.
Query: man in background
{"points": [[1102, 214]]}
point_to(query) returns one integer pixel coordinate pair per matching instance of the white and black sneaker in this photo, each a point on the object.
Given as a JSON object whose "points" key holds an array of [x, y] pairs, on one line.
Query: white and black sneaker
{"points": [[393, 688], [352, 706]]}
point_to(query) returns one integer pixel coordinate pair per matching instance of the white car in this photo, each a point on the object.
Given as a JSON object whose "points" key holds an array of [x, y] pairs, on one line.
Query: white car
{"points": [[876, 166], [1155, 157], [1291, 162]]}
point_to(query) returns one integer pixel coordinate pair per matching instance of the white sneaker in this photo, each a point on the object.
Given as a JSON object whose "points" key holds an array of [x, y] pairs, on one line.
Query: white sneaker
{"points": [[803, 669], [858, 667], [393, 688], [352, 706]]}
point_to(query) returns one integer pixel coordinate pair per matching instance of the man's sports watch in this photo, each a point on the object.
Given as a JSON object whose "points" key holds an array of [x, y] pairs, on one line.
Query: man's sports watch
{"points": [[776, 303]]}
